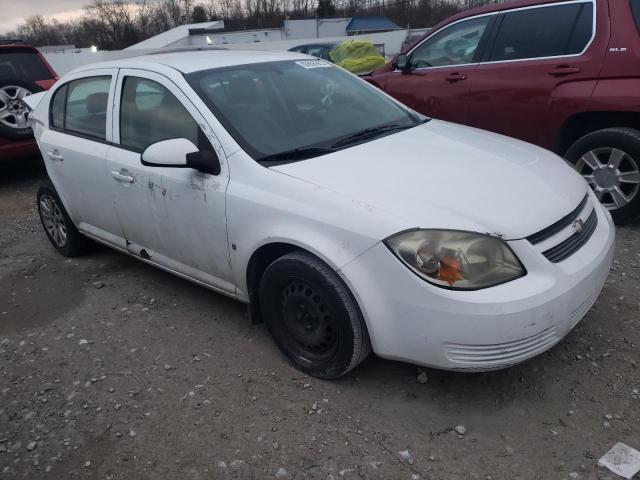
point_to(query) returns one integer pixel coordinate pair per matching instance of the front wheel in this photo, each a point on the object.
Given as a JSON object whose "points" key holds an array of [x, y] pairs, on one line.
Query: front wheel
{"points": [[312, 316], [60, 230], [609, 161]]}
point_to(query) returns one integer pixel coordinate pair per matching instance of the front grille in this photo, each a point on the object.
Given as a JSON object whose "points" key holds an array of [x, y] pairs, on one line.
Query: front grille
{"points": [[501, 353], [564, 250], [560, 225]]}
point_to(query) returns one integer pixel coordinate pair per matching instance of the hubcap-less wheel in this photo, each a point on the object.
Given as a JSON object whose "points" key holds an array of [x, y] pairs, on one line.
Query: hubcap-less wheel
{"points": [[13, 111], [309, 322], [612, 174], [53, 220]]}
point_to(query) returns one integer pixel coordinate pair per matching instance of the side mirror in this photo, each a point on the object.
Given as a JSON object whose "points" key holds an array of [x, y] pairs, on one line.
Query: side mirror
{"points": [[180, 153], [402, 63]]}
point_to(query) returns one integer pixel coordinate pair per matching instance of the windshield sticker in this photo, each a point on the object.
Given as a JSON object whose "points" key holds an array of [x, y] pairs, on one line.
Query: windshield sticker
{"points": [[313, 63]]}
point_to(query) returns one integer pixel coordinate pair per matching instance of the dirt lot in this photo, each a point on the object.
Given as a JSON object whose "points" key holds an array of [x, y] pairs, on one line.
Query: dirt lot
{"points": [[111, 369]]}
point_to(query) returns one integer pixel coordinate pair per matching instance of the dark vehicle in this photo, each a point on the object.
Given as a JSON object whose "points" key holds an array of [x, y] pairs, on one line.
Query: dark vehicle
{"points": [[563, 75], [23, 71], [320, 50]]}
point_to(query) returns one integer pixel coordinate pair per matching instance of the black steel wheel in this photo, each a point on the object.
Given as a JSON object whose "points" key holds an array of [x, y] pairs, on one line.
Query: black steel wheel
{"points": [[312, 316]]}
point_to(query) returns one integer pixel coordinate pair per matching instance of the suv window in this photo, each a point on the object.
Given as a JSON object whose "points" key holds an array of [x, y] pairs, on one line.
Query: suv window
{"points": [[455, 45], [80, 106], [635, 8], [549, 31], [150, 113], [23, 64]]}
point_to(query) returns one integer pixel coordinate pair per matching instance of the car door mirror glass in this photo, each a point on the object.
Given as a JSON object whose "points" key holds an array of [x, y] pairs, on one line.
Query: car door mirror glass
{"points": [[402, 62]]}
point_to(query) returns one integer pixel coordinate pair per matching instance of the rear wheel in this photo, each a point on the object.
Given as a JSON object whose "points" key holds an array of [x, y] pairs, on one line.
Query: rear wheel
{"points": [[609, 160], [13, 111], [312, 316], [60, 230]]}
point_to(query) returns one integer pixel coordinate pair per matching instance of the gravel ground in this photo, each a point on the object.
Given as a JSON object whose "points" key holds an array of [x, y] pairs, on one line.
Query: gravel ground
{"points": [[112, 369]]}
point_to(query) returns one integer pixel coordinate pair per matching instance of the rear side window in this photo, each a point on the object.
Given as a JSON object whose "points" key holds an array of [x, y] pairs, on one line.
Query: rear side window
{"points": [[80, 107], [635, 8], [57, 107], [544, 32], [24, 65]]}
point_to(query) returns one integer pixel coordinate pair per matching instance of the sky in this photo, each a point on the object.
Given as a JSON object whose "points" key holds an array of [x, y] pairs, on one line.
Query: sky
{"points": [[13, 12]]}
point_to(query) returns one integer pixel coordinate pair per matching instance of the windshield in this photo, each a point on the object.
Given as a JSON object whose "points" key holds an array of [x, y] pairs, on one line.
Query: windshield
{"points": [[288, 106]]}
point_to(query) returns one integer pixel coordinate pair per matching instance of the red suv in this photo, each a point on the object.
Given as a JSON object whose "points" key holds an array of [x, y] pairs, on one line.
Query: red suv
{"points": [[561, 74], [23, 70]]}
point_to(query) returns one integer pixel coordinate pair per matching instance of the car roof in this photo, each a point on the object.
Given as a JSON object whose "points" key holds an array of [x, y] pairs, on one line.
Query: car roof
{"points": [[320, 44], [194, 61]]}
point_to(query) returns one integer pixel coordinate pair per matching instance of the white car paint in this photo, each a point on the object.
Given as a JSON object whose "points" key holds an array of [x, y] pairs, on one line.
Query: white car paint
{"points": [[340, 207]]}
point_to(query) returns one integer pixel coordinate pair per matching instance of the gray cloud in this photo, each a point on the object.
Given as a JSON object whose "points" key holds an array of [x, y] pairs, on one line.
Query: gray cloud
{"points": [[15, 11]]}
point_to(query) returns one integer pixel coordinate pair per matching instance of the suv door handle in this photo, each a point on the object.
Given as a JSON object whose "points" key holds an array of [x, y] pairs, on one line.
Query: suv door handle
{"points": [[122, 176], [456, 77], [55, 156], [564, 70]]}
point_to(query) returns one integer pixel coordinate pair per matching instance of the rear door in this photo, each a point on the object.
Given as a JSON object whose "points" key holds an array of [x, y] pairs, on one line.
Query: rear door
{"points": [[75, 148], [534, 52], [439, 81]]}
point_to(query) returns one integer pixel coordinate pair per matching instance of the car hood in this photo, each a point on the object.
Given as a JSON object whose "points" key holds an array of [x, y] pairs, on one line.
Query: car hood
{"points": [[442, 175]]}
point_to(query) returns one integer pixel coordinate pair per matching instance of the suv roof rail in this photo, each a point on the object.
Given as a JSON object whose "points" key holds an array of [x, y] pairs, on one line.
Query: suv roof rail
{"points": [[12, 41], [183, 49]]}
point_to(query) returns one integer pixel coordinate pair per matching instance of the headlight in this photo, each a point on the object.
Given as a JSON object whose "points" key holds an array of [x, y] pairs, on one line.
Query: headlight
{"points": [[455, 259]]}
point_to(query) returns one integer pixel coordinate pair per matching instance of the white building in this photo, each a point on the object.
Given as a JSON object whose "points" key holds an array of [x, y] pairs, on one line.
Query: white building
{"points": [[182, 36]]}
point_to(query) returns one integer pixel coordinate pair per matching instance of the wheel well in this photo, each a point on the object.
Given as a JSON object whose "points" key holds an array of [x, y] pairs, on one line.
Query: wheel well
{"points": [[258, 263], [584, 123]]}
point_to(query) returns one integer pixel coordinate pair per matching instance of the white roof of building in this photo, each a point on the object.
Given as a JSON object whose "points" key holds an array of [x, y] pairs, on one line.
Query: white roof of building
{"points": [[193, 61], [175, 34]]}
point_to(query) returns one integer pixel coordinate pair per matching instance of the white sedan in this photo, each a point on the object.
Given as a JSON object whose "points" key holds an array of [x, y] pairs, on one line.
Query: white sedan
{"points": [[346, 221]]}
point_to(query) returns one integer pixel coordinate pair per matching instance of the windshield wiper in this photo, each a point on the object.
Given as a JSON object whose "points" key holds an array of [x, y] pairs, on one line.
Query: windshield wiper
{"points": [[368, 133], [296, 154]]}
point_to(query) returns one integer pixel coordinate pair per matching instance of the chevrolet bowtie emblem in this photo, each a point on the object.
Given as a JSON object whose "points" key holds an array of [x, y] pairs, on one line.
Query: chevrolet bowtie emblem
{"points": [[578, 225]]}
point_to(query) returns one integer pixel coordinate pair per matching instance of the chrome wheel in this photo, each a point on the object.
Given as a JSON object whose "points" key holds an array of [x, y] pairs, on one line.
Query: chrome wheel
{"points": [[13, 111], [53, 220], [613, 175]]}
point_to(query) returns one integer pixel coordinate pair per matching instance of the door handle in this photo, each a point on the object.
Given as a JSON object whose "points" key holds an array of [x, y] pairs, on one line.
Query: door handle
{"points": [[456, 77], [122, 176], [564, 70], [55, 156]]}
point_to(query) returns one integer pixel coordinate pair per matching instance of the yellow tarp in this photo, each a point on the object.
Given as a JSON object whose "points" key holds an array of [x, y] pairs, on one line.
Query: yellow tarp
{"points": [[357, 56]]}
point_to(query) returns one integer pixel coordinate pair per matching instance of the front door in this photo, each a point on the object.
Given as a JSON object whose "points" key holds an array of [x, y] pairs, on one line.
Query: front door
{"points": [[174, 217], [441, 71], [534, 53], [75, 150]]}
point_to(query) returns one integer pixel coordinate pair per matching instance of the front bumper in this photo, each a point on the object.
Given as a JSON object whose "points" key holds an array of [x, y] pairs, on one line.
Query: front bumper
{"points": [[411, 320]]}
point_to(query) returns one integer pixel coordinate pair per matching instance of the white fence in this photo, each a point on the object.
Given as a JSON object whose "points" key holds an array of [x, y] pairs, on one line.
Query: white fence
{"points": [[66, 60]]}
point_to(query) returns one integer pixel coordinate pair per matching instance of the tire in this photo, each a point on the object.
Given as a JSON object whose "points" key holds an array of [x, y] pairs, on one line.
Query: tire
{"points": [[312, 316], [609, 160], [60, 230], [13, 119]]}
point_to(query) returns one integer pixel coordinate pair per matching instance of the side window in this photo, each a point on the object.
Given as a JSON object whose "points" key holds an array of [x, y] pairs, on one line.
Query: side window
{"points": [[315, 51], [455, 45], [149, 113], [86, 106], [544, 32], [635, 9], [57, 107]]}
